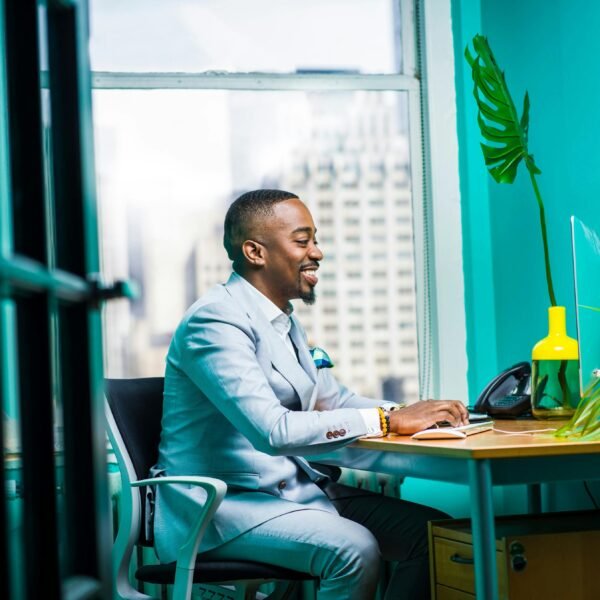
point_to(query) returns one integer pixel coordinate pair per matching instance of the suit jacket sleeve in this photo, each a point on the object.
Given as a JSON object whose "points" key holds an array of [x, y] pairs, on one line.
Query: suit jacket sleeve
{"points": [[334, 395], [217, 350]]}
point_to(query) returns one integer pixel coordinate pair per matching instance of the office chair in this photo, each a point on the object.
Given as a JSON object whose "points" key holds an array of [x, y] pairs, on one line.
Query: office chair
{"points": [[134, 412]]}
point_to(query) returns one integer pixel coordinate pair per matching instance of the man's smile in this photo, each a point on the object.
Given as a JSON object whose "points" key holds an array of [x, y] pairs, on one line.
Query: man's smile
{"points": [[310, 274]]}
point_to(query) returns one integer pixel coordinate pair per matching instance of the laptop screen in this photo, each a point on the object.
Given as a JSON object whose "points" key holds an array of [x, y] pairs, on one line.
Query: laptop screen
{"points": [[586, 268]]}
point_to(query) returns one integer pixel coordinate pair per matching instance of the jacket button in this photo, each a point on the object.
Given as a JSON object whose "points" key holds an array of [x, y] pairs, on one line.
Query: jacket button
{"points": [[342, 432], [329, 435], [336, 434], [281, 485]]}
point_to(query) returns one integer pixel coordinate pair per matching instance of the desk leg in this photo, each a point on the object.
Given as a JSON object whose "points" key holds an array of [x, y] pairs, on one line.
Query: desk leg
{"points": [[484, 536], [534, 498]]}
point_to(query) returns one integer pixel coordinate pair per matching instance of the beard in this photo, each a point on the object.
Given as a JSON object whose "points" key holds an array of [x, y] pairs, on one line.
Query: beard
{"points": [[307, 296]]}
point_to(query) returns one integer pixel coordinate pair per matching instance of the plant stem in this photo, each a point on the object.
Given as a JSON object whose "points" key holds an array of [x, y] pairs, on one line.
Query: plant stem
{"points": [[562, 381], [544, 239]]}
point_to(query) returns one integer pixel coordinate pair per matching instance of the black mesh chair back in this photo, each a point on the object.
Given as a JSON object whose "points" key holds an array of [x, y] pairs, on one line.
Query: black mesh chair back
{"points": [[136, 405]]}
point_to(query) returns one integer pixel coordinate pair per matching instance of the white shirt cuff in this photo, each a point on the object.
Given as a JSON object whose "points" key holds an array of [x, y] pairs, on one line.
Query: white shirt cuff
{"points": [[370, 416]]}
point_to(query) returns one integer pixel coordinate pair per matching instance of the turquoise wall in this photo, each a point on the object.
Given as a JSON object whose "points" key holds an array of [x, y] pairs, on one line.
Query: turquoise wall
{"points": [[551, 50]]}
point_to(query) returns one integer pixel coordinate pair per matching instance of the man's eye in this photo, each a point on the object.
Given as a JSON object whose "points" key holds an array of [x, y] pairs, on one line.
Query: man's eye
{"points": [[303, 242]]}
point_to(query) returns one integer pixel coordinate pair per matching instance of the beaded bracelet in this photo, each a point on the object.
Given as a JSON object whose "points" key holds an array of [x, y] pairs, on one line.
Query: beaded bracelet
{"points": [[384, 419]]}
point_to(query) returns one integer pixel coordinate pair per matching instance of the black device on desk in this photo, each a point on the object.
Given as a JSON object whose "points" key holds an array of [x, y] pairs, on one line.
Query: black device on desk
{"points": [[508, 394]]}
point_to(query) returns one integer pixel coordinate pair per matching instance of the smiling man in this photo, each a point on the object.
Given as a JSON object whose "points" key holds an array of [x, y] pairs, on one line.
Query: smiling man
{"points": [[244, 402]]}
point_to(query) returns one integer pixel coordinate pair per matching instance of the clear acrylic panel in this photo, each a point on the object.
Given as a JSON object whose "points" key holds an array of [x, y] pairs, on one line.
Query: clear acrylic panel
{"points": [[237, 35], [170, 162]]}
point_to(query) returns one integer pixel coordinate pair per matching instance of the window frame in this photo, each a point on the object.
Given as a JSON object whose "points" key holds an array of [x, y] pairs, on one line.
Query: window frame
{"points": [[425, 44]]}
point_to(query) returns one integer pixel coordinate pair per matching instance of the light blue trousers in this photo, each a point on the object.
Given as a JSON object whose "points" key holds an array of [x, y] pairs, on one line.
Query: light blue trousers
{"points": [[344, 555], [345, 550]]}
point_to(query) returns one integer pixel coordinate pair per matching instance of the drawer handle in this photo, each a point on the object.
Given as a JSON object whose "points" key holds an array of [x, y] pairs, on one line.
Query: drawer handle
{"points": [[461, 560]]}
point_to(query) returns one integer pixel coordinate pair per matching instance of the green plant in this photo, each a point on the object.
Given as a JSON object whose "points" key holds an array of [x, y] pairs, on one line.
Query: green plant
{"points": [[585, 423], [505, 135], [504, 148], [505, 144]]}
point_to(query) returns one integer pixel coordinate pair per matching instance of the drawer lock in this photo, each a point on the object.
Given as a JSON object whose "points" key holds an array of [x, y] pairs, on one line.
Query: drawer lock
{"points": [[518, 560]]}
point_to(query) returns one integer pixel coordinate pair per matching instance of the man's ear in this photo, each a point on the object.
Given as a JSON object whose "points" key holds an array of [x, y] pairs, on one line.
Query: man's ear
{"points": [[254, 253]]}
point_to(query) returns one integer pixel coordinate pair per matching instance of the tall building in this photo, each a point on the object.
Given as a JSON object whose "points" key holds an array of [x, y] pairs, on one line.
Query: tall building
{"points": [[353, 173], [346, 155], [354, 176]]}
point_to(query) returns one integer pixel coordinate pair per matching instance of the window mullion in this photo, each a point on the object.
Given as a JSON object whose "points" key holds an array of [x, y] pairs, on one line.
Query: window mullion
{"points": [[253, 81]]}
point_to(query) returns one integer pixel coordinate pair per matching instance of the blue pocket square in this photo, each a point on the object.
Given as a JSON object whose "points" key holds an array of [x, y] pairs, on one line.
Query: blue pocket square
{"points": [[321, 358]]}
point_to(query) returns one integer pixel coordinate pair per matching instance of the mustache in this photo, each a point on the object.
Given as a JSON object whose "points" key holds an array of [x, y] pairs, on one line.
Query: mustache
{"points": [[312, 265]]}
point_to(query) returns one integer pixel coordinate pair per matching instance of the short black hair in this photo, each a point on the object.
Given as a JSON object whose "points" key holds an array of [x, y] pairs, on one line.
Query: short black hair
{"points": [[242, 215]]}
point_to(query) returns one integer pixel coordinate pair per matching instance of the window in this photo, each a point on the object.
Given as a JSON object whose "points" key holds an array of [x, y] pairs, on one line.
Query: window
{"points": [[175, 145], [218, 35]]}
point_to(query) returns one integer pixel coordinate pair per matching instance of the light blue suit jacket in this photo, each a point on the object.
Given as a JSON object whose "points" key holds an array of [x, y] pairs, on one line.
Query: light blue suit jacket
{"points": [[238, 406]]}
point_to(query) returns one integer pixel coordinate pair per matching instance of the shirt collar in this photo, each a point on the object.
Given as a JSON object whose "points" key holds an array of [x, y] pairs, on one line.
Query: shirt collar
{"points": [[271, 311]]}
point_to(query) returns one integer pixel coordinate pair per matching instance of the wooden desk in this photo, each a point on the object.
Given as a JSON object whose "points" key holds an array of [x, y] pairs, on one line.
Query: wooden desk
{"points": [[481, 461]]}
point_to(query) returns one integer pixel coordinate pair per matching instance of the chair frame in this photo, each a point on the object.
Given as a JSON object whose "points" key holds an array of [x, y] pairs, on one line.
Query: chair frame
{"points": [[130, 517]]}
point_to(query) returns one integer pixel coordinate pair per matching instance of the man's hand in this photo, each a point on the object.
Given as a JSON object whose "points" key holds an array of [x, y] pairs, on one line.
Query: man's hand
{"points": [[426, 413]]}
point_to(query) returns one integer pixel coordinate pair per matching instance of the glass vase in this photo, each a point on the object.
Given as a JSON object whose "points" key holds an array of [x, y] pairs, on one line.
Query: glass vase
{"points": [[555, 370]]}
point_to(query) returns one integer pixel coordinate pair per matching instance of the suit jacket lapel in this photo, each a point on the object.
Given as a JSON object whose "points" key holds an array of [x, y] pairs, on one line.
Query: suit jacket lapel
{"points": [[303, 352], [307, 363], [280, 356]]}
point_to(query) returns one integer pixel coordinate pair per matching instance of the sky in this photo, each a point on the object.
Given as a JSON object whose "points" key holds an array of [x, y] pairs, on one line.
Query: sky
{"points": [[239, 35]]}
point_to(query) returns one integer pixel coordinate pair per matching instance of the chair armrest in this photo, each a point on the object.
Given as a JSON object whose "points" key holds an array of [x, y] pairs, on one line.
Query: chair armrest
{"points": [[215, 488], [219, 487]]}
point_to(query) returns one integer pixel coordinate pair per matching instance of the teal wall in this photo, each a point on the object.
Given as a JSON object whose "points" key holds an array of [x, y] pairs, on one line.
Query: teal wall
{"points": [[551, 50]]}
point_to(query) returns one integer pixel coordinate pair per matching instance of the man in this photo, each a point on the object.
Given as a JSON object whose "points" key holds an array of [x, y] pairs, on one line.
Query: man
{"points": [[244, 403]]}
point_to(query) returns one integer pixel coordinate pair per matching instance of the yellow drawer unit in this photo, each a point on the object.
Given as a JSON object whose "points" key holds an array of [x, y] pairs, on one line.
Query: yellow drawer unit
{"points": [[545, 557]]}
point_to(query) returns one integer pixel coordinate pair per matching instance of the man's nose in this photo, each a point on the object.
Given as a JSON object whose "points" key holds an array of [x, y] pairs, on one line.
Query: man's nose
{"points": [[315, 252]]}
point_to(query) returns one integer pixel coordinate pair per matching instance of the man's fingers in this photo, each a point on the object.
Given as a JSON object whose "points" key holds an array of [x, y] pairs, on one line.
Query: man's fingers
{"points": [[463, 413], [453, 417], [457, 410]]}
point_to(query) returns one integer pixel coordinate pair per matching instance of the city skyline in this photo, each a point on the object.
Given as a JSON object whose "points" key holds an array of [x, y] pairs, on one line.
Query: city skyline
{"points": [[345, 154]]}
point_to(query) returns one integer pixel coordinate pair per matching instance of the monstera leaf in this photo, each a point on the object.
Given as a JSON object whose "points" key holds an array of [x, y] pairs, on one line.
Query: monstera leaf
{"points": [[585, 423], [505, 135], [497, 117]]}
